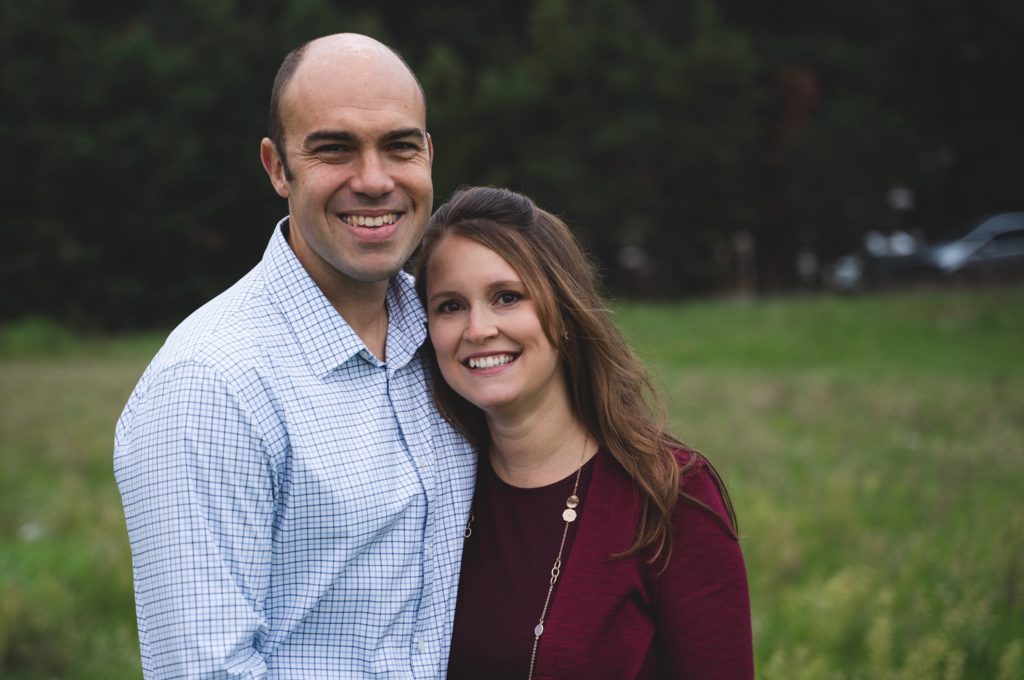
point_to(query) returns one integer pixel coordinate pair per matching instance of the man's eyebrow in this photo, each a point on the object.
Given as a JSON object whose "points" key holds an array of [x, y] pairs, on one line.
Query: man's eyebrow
{"points": [[404, 133], [329, 136], [348, 137]]}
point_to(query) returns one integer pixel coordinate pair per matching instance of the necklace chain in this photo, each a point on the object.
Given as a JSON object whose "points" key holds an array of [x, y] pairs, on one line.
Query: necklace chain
{"points": [[569, 515]]}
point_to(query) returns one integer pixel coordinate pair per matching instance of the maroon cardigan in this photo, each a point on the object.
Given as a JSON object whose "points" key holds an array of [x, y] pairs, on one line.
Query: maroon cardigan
{"points": [[619, 618]]}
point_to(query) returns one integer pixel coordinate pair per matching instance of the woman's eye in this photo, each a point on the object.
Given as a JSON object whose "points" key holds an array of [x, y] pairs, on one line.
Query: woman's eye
{"points": [[448, 307], [509, 297]]}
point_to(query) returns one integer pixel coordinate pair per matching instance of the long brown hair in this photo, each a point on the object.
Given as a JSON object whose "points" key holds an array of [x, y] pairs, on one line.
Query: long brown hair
{"points": [[609, 389]]}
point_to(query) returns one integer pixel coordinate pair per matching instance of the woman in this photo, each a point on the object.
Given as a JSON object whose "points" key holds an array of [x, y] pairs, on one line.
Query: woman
{"points": [[598, 545]]}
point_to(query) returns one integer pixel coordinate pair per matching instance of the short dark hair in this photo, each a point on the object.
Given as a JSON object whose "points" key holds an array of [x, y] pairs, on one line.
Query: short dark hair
{"points": [[275, 126]]}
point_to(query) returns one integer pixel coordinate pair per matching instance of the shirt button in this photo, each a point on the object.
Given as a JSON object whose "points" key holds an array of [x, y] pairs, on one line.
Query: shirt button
{"points": [[421, 647], [427, 552]]}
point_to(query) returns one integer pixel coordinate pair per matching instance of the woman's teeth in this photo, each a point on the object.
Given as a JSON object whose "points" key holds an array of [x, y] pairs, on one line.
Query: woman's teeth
{"points": [[491, 361]]}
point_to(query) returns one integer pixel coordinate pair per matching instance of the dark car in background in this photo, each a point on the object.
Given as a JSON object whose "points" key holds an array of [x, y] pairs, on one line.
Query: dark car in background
{"points": [[993, 251]]}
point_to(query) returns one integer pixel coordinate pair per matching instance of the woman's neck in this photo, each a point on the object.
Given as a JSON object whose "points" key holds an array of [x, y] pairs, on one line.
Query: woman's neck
{"points": [[540, 448]]}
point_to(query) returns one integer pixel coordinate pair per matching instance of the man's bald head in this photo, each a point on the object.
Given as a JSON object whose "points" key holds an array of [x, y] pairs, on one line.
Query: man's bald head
{"points": [[346, 47]]}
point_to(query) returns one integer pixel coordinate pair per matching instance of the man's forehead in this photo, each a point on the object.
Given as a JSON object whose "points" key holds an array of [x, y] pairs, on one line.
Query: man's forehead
{"points": [[354, 68], [361, 106]]}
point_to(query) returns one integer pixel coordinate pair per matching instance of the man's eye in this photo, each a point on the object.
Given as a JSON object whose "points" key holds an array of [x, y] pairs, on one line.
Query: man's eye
{"points": [[330, 148], [404, 148]]}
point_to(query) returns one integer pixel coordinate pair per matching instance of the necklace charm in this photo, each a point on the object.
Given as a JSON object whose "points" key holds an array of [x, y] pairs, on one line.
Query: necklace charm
{"points": [[568, 516]]}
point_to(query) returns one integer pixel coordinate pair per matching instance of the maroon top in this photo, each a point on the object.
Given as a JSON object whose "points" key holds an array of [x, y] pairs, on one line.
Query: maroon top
{"points": [[506, 568], [610, 618]]}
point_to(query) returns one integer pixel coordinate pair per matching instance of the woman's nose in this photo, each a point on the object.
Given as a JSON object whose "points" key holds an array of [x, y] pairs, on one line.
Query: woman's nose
{"points": [[480, 326]]}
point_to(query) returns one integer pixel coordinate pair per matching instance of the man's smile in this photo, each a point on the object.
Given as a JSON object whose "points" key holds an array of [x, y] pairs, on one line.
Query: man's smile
{"points": [[371, 221]]}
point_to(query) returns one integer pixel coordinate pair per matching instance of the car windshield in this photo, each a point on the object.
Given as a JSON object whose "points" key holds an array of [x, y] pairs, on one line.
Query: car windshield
{"points": [[1006, 222]]}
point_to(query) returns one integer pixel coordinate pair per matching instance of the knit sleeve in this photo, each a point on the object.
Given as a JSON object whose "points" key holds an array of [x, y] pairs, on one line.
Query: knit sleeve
{"points": [[702, 609]]}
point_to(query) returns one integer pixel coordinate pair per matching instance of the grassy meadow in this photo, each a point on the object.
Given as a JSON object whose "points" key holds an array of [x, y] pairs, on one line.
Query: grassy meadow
{"points": [[874, 449]]}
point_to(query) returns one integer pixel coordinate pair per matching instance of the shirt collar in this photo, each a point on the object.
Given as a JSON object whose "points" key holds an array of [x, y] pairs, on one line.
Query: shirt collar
{"points": [[325, 337]]}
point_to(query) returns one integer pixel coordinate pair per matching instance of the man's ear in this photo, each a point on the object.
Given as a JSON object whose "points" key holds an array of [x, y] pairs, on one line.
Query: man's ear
{"points": [[274, 166], [430, 149]]}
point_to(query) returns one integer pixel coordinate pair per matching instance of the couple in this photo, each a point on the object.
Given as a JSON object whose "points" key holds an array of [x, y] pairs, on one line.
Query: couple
{"points": [[298, 509]]}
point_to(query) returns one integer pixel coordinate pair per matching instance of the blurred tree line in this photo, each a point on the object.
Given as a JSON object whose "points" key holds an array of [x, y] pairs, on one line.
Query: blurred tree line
{"points": [[674, 136]]}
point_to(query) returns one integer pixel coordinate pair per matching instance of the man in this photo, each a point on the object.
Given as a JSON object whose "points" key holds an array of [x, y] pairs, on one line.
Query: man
{"points": [[295, 505]]}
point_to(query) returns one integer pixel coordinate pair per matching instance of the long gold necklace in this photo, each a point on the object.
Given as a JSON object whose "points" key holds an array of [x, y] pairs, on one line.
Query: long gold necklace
{"points": [[568, 516]]}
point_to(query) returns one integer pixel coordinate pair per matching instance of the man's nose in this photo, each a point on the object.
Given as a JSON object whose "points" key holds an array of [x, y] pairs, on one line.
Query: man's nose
{"points": [[373, 177]]}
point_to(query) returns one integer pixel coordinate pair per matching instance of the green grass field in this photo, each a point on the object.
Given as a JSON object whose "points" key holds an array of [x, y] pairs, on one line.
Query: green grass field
{"points": [[874, 448]]}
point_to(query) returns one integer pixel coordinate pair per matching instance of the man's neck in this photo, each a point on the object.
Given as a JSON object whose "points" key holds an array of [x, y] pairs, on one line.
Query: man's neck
{"points": [[362, 304], [366, 312]]}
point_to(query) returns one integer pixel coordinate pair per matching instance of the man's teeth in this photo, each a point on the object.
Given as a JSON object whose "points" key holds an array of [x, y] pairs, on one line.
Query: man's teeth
{"points": [[368, 221], [491, 361]]}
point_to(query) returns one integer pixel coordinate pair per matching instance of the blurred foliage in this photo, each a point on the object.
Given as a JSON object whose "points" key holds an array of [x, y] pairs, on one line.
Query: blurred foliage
{"points": [[874, 448], [134, 190]]}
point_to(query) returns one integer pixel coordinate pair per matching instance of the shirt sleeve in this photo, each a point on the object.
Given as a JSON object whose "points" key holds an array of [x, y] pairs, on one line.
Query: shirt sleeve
{"points": [[703, 607], [198, 496]]}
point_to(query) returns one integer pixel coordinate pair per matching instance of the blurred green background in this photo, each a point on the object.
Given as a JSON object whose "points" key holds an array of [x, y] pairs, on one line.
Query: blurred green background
{"points": [[874, 445], [874, 449]]}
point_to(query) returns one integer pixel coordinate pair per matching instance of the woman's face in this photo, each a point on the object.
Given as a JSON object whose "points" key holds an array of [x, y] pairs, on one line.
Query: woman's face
{"points": [[489, 341]]}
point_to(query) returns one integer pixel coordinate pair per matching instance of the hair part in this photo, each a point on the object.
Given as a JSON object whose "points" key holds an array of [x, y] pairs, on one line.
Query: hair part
{"points": [[609, 389]]}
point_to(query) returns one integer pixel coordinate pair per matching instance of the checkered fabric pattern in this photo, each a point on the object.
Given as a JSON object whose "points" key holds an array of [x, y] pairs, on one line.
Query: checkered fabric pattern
{"points": [[295, 506]]}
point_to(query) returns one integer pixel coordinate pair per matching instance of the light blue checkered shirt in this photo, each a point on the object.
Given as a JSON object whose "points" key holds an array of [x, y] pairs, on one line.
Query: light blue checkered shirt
{"points": [[295, 506]]}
